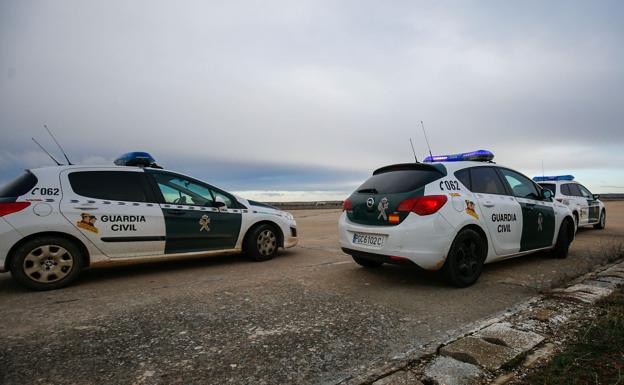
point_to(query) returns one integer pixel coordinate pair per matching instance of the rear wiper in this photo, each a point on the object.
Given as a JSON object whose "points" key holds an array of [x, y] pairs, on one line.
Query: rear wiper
{"points": [[369, 190]]}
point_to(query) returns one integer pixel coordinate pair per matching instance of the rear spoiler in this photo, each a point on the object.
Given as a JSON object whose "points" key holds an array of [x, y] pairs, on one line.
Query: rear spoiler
{"points": [[412, 166]]}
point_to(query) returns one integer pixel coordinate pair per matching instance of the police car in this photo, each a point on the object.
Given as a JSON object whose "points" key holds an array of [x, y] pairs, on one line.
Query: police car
{"points": [[55, 221], [452, 213], [586, 208]]}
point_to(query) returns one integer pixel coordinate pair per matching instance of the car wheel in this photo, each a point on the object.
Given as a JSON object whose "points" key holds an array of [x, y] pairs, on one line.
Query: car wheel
{"points": [[47, 263], [464, 262], [576, 221], [564, 239], [366, 262], [602, 222], [262, 243]]}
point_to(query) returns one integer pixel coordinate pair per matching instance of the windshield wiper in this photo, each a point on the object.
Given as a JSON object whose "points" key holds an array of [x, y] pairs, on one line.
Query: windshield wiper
{"points": [[369, 190]]}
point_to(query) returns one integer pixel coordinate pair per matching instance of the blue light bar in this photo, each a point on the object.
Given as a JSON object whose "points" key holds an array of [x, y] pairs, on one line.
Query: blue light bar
{"points": [[137, 159], [475, 156], [553, 178]]}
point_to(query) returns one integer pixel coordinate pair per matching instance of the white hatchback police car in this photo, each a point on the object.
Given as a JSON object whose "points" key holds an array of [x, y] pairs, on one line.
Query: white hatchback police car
{"points": [[55, 221], [454, 213], [586, 208]]}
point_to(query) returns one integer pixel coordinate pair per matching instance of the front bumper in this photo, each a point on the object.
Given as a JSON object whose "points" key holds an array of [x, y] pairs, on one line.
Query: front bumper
{"points": [[424, 240]]}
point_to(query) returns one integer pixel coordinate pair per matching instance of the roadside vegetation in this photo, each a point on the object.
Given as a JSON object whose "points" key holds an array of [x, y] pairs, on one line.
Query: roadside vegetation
{"points": [[596, 356]]}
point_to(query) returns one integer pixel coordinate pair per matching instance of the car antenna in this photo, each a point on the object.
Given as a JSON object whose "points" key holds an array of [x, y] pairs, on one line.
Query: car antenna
{"points": [[426, 140], [412, 144], [44, 150], [57, 143]]}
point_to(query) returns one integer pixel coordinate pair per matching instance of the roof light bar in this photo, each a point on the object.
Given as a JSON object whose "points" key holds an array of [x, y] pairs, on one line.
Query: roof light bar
{"points": [[553, 178], [136, 159], [475, 156]]}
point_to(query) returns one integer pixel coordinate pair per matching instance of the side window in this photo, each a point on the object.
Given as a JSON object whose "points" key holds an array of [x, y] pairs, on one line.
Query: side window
{"points": [[110, 185], [464, 177], [565, 189], [178, 190], [485, 180], [521, 186], [575, 191], [586, 193]]}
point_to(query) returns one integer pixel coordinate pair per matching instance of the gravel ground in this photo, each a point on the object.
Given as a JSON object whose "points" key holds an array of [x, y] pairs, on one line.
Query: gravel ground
{"points": [[308, 316]]}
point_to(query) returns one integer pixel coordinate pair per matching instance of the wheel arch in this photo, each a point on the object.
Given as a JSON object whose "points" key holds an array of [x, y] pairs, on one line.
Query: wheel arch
{"points": [[280, 234], [481, 232], [83, 248], [571, 219]]}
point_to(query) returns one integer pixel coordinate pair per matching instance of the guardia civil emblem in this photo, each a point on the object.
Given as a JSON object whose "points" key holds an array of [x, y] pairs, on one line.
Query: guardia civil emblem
{"points": [[382, 207], [540, 222], [204, 222]]}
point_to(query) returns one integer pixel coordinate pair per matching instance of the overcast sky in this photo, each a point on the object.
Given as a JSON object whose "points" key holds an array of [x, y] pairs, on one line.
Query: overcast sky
{"points": [[314, 95]]}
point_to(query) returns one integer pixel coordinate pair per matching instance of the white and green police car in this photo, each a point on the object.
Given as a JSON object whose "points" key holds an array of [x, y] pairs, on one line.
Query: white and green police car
{"points": [[454, 213], [586, 208], [55, 221]]}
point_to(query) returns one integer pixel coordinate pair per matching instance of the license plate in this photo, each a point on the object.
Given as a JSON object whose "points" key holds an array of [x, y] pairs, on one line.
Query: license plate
{"points": [[370, 240]]}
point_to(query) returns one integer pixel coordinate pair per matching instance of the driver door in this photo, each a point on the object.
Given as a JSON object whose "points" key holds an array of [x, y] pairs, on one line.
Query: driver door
{"points": [[195, 220]]}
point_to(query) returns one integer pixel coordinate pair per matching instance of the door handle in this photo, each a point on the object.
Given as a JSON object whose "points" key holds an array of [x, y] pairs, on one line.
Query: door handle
{"points": [[88, 208], [176, 212], [489, 204], [530, 206]]}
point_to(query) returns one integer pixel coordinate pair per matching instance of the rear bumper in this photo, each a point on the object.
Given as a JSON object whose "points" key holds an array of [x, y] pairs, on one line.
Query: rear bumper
{"points": [[423, 240], [8, 237]]}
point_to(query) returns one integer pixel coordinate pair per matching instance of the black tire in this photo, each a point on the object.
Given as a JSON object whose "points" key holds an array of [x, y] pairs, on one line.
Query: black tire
{"points": [[262, 242], [47, 263], [464, 262], [602, 222], [564, 239], [576, 221], [366, 262]]}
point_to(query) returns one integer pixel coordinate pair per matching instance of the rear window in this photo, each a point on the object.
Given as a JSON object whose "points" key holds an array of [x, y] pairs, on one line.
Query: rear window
{"points": [[399, 181], [110, 185], [550, 186], [18, 186]]}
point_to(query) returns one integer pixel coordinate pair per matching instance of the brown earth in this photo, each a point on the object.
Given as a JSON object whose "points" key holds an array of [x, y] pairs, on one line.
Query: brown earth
{"points": [[311, 315]]}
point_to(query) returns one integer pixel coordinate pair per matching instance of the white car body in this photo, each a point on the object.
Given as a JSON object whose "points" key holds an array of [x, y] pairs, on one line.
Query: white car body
{"points": [[586, 208], [506, 221], [133, 231]]}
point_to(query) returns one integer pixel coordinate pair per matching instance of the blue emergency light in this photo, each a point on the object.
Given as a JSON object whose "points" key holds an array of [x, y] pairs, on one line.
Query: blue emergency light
{"points": [[137, 159], [475, 156], [553, 178]]}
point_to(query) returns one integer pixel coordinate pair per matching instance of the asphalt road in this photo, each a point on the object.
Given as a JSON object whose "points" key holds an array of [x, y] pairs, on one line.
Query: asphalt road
{"points": [[309, 316]]}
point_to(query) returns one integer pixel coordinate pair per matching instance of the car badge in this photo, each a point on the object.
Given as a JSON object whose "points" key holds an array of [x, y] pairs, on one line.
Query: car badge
{"points": [[370, 202], [382, 207], [204, 222]]}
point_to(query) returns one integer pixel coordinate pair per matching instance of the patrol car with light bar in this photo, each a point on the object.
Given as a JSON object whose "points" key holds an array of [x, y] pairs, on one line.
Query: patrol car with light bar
{"points": [[586, 208], [452, 213], [55, 221]]}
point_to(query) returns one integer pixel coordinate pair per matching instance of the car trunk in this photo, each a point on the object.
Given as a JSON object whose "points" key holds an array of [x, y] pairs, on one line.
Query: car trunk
{"points": [[376, 201]]}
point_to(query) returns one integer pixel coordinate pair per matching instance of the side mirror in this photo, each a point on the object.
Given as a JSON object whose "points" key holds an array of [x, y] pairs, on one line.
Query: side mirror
{"points": [[219, 202], [596, 196], [546, 194]]}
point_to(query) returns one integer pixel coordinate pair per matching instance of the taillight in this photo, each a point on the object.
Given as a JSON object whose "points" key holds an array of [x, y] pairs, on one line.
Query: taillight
{"points": [[12, 207], [422, 205], [347, 205]]}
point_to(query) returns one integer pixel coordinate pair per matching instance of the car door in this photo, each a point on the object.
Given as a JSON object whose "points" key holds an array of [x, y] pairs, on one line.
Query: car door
{"points": [[580, 203], [115, 210], [501, 212], [538, 215], [593, 205], [198, 217]]}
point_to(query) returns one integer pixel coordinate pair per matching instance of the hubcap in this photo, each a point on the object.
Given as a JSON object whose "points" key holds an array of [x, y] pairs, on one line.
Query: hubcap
{"points": [[467, 258], [48, 264], [267, 243]]}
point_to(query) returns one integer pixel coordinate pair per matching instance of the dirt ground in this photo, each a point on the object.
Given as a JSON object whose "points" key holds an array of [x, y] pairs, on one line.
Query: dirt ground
{"points": [[311, 315]]}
